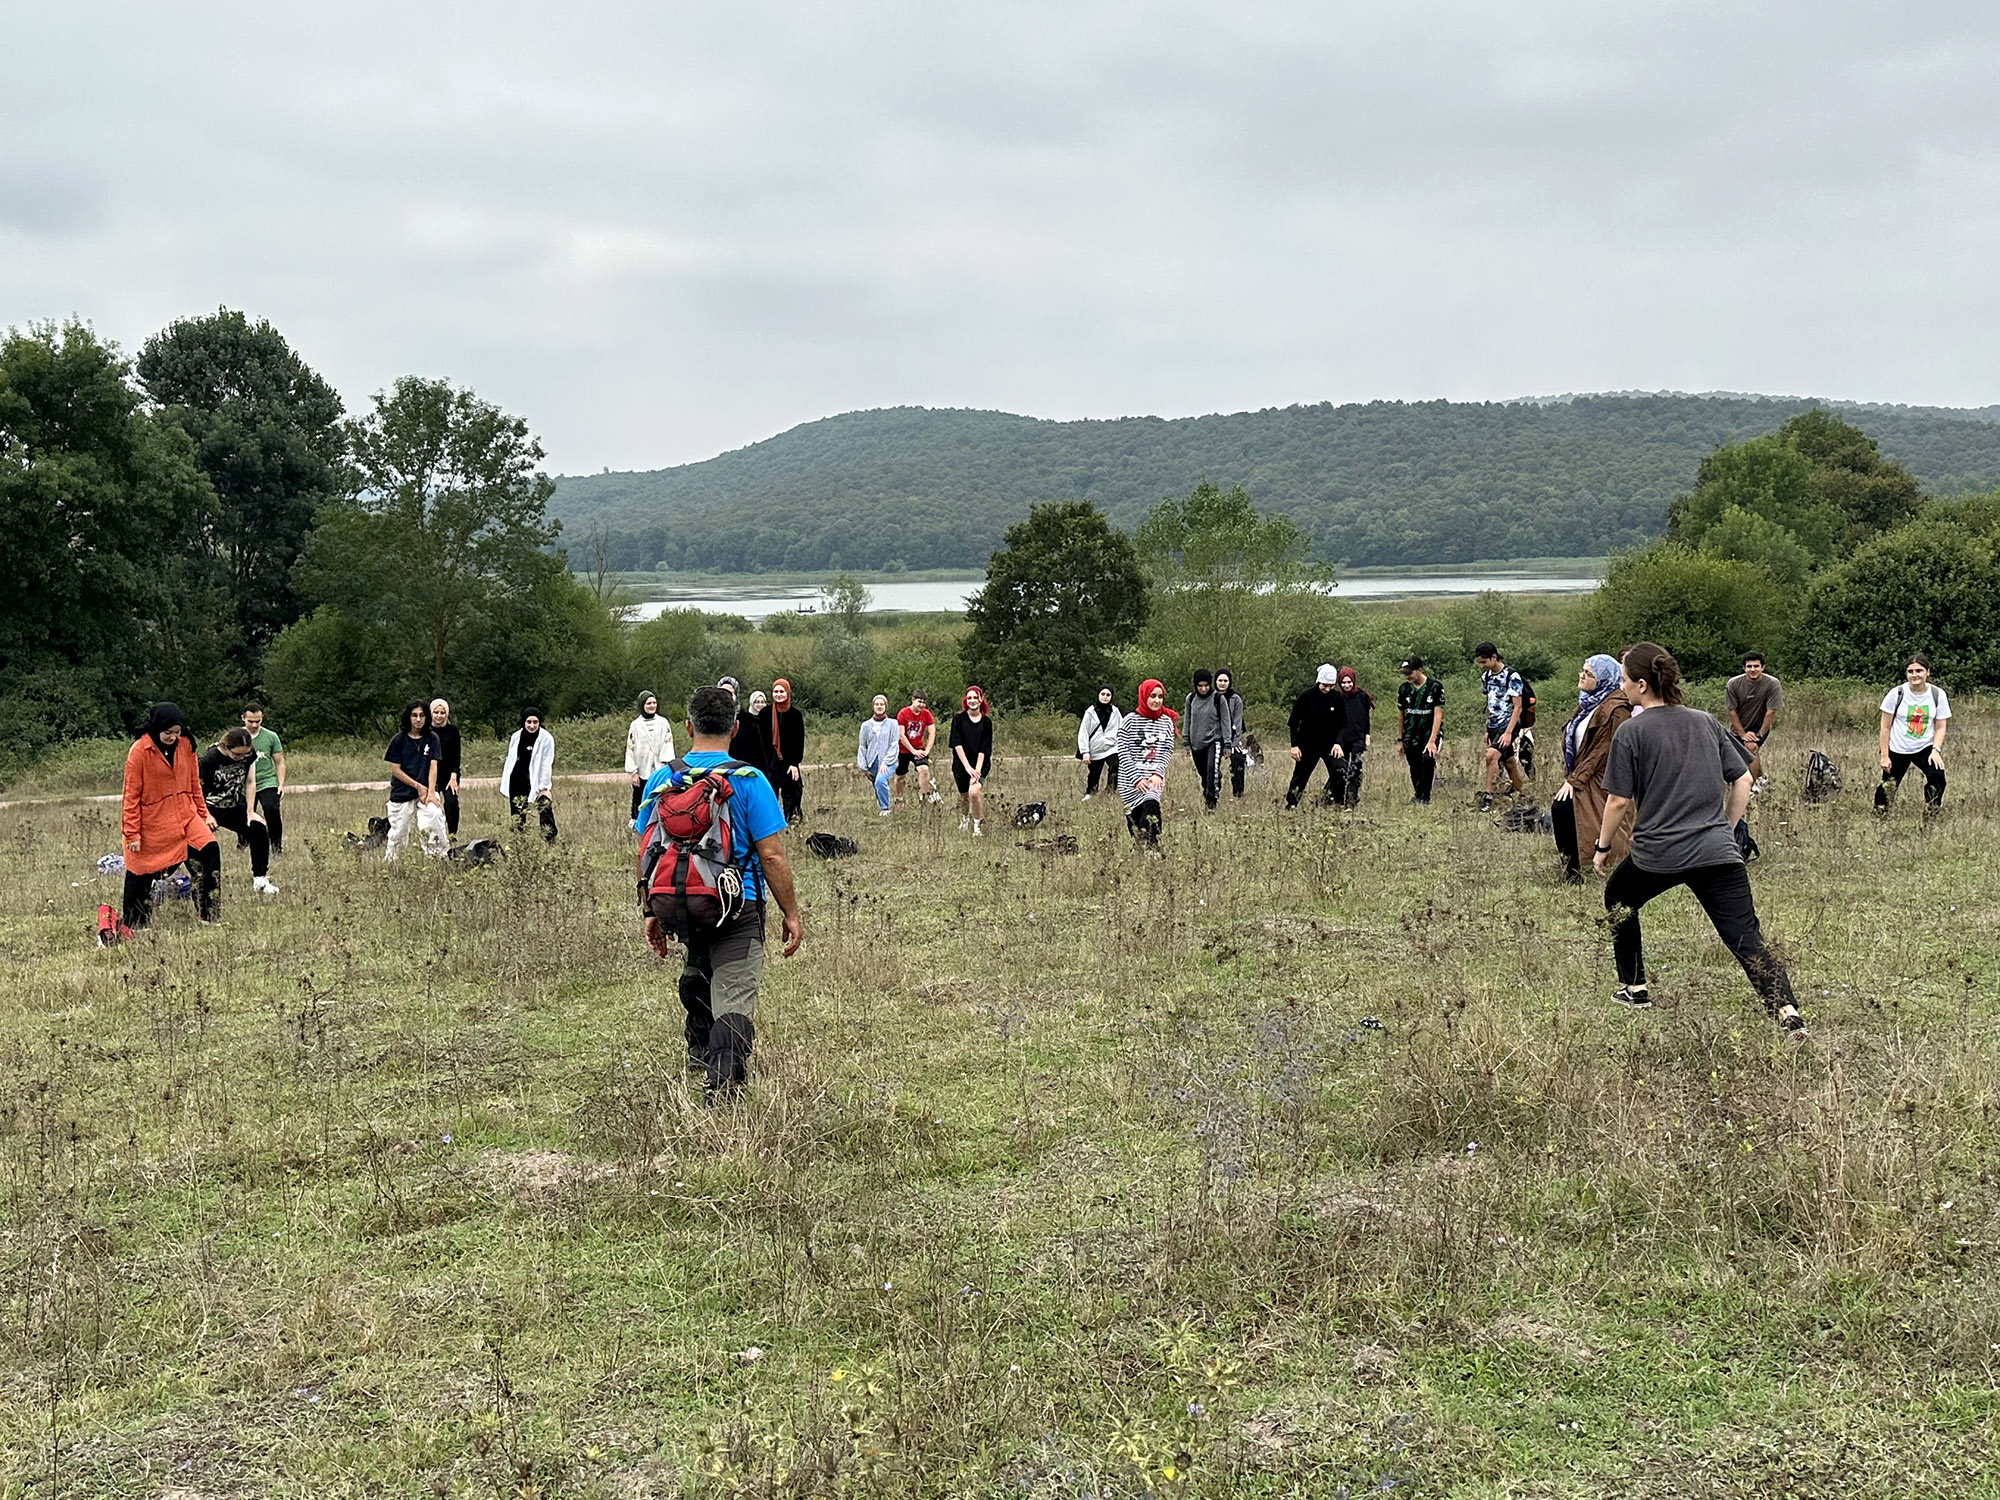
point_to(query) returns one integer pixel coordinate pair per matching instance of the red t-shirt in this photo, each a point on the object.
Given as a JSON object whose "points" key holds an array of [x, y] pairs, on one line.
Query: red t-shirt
{"points": [[913, 724]]}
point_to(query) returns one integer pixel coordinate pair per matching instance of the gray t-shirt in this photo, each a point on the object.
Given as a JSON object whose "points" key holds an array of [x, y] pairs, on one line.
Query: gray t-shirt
{"points": [[1751, 700], [1677, 764]]}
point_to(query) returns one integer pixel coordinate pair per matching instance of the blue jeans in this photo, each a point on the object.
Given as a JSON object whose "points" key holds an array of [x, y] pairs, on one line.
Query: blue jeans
{"points": [[884, 774]]}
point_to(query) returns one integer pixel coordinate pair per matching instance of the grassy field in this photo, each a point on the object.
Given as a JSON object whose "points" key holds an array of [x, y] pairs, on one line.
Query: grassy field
{"points": [[1312, 1154]]}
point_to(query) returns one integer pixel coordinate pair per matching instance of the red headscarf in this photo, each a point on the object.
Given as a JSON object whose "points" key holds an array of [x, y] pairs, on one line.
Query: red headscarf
{"points": [[985, 703], [1350, 685], [1146, 692], [780, 683]]}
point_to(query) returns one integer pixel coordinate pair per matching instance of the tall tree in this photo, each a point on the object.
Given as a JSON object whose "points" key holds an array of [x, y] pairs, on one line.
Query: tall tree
{"points": [[446, 526], [267, 432], [97, 498], [1063, 591]]}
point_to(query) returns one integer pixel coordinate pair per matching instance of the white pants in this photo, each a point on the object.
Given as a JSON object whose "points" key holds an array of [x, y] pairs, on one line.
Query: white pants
{"points": [[429, 818]]}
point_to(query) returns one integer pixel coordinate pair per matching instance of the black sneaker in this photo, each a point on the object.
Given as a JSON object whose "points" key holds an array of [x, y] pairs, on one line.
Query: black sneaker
{"points": [[1483, 802], [1882, 798], [1634, 997], [1789, 1020]]}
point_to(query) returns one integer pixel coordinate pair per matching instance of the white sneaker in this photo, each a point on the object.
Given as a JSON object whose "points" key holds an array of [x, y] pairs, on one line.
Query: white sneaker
{"points": [[937, 796], [882, 812], [1086, 796], [963, 824], [975, 828], [262, 886]]}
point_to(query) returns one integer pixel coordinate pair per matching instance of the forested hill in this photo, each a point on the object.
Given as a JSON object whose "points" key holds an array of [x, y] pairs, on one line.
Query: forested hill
{"points": [[1384, 483]]}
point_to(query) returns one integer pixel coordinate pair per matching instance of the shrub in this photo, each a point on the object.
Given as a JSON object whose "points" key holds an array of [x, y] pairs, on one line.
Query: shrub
{"points": [[1706, 610], [1932, 586]]}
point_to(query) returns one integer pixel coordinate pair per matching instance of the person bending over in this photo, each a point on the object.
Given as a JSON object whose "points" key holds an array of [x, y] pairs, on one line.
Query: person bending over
{"points": [[226, 786], [1316, 720]]}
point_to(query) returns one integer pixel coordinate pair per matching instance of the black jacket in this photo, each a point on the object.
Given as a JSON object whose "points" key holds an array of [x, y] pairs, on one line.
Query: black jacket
{"points": [[791, 750], [1353, 719], [751, 741], [1317, 719]]}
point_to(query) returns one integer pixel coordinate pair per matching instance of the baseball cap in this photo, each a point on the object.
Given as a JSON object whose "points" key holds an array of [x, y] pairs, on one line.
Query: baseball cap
{"points": [[1413, 664]]}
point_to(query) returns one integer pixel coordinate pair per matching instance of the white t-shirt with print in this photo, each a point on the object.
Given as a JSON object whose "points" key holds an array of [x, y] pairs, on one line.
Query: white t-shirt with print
{"points": [[1915, 717]]}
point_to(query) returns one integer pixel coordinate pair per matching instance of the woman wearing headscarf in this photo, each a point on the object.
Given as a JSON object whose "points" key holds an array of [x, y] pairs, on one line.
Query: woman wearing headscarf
{"points": [[750, 741], [649, 744], [164, 819], [788, 749], [1578, 808], [875, 751], [1145, 746], [1355, 737], [1229, 703], [529, 774], [1097, 741], [971, 746], [1201, 727]]}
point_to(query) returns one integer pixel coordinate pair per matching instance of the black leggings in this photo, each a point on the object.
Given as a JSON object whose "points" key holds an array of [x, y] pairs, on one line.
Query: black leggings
{"points": [[1101, 770], [1562, 813], [544, 807], [1144, 821], [1423, 772], [1208, 765], [1237, 762], [239, 822], [1899, 766], [450, 800], [271, 802], [1724, 893], [205, 865], [1302, 773]]}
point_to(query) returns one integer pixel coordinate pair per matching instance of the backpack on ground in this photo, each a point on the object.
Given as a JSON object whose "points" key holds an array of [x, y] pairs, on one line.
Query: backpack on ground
{"points": [[1522, 817], [689, 853], [1030, 814], [111, 928], [1822, 777], [831, 845]]}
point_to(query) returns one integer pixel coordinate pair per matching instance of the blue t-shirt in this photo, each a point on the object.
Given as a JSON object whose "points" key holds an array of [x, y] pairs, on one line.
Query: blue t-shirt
{"points": [[1499, 687], [754, 812], [414, 757]]}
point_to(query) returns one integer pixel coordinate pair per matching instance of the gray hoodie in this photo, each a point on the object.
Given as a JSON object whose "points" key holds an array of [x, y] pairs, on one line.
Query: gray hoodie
{"points": [[1201, 722]]}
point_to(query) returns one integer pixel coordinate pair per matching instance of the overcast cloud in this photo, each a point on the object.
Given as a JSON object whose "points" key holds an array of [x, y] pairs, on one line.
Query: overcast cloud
{"points": [[661, 231]]}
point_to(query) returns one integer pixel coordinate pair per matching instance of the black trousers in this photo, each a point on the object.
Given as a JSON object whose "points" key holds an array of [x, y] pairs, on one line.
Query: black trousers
{"points": [[1144, 821], [638, 792], [1106, 769], [1562, 813], [1899, 767], [204, 864], [1237, 762], [1302, 772], [239, 822], [1350, 776], [545, 809], [271, 803], [1208, 765], [1724, 893], [450, 800], [1423, 772], [791, 793]]}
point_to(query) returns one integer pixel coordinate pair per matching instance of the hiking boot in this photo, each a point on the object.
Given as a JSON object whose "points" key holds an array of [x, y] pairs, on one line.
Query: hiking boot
{"points": [[730, 1039], [1634, 997]]}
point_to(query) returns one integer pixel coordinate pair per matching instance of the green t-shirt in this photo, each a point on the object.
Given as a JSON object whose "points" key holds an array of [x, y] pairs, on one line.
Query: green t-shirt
{"points": [[1414, 704], [266, 744]]}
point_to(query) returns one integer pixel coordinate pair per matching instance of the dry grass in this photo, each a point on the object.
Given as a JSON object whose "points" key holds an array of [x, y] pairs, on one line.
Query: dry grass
{"points": [[1309, 1155]]}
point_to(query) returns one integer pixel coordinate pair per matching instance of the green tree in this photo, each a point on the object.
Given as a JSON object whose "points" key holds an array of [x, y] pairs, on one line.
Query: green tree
{"points": [[1849, 473], [1063, 591], [1706, 610], [1766, 478], [1215, 539], [847, 601], [1744, 537], [1932, 586], [267, 433], [98, 498]]}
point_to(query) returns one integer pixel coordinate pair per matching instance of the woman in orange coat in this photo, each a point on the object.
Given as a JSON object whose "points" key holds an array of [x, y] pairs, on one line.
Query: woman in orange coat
{"points": [[164, 819]]}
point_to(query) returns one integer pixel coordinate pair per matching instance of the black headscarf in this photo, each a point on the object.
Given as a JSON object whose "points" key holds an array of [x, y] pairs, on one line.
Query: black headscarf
{"points": [[1104, 711], [642, 705], [165, 716], [1220, 673], [529, 736], [1201, 675]]}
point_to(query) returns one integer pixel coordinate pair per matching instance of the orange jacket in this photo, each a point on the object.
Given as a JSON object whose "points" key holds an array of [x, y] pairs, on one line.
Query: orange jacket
{"points": [[163, 815]]}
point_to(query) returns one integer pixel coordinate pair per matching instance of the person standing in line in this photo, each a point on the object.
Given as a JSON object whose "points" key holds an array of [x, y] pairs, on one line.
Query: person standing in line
{"points": [[528, 774], [722, 964], [225, 769], [876, 752], [1145, 749], [1578, 807], [413, 795], [1916, 716], [971, 746], [1356, 738], [1505, 693], [1315, 728], [164, 821], [788, 749], [451, 760], [750, 741], [916, 733], [1201, 728], [1420, 716], [649, 744], [1097, 741], [270, 774], [1230, 703], [1687, 782], [1753, 699]]}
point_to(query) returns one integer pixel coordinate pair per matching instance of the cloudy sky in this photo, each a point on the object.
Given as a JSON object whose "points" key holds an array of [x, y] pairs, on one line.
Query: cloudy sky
{"points": [[662, 230]]}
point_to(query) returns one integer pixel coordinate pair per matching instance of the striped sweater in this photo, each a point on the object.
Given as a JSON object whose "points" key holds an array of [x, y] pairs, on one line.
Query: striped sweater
{"points": [[1145, 746]]}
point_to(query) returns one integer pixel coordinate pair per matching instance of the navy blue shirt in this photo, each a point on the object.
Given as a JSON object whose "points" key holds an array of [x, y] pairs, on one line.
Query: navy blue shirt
{"points": [[414, 757]]}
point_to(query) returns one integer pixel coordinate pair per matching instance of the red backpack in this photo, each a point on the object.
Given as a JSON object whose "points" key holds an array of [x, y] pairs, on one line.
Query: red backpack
{"points": [[689, 853]]}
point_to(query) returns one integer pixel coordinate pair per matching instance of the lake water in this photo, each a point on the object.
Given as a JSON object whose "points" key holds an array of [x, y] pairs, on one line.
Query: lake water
{"points": [[950, 597]]}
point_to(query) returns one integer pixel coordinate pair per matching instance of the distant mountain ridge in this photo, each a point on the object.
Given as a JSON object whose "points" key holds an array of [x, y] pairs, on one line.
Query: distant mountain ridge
{"points": [[1384, 483]]}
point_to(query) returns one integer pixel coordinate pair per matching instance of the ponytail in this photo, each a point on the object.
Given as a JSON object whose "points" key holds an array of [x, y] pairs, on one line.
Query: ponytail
{"points": [[1657, 667]]}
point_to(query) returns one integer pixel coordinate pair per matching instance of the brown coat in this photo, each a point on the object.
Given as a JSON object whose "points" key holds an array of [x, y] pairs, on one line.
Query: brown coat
{"points": [[163, 815], [1586, 780]]}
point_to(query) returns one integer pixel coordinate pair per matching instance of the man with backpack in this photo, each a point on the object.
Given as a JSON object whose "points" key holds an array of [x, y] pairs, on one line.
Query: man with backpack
{"points": [[1509, 710], [711, 848]]}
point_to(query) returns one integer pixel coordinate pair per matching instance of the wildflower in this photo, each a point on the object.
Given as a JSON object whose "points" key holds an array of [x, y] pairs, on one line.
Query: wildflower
{"points": [[837, 1376], [446, 1138]]}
